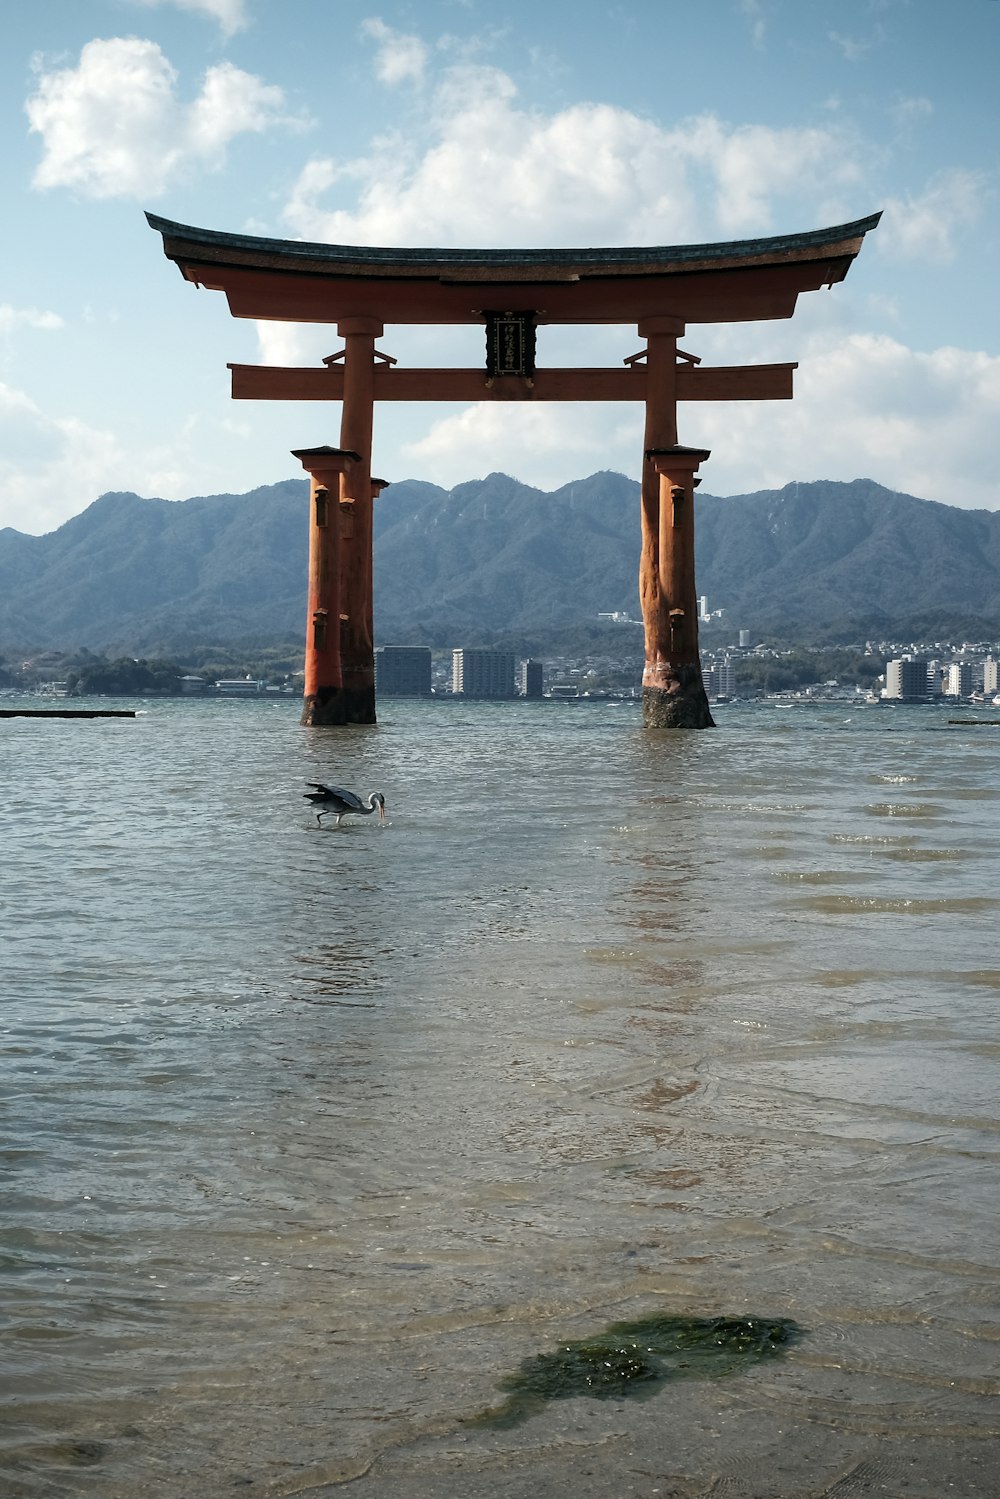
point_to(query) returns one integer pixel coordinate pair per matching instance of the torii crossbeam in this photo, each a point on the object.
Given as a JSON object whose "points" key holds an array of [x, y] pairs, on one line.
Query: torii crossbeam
{"points": [[512, 293]]}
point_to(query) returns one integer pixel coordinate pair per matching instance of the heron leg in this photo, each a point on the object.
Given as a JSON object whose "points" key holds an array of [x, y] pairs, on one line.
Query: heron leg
{"points": [[319, 818]]}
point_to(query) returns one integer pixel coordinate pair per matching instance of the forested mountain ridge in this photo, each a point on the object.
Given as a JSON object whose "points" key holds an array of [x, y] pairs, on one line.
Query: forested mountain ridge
{"points": [[494, 558]]}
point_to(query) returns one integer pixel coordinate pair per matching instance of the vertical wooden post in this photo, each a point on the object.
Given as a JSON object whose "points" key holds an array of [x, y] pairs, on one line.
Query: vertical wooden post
{"points": [[673, 693], [323, 691], [661, 334], [357, 645], [376, 489]]}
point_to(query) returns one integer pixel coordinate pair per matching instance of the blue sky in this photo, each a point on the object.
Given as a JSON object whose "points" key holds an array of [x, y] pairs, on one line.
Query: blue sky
{"points": [[472, 122]]}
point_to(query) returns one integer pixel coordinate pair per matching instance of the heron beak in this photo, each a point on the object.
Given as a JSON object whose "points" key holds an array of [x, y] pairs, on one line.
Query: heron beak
{"points": [[381, 811]]}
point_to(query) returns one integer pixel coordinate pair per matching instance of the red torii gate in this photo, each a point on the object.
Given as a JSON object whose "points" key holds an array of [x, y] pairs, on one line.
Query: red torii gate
{"points": [[512, 293]]}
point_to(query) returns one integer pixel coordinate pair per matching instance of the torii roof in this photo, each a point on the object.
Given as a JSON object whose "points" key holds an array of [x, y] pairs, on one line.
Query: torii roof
{"points": [[296, 281]]}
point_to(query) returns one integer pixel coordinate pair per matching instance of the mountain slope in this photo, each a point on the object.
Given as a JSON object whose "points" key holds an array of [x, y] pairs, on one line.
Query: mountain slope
{"points": [[495, 558], [823, 554]]}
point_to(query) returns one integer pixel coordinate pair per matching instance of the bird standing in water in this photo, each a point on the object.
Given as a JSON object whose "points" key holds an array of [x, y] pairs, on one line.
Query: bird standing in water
{"points": [[343, 803]]}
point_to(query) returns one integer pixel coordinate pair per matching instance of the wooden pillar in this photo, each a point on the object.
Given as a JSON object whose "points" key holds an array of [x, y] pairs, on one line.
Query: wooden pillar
{"points": [[357, 647], [323, 692], [376, 489], [673, 695], [673, 692]]}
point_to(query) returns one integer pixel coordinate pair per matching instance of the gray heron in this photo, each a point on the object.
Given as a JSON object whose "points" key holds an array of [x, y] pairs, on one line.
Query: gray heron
{"points": [[343, 803]]}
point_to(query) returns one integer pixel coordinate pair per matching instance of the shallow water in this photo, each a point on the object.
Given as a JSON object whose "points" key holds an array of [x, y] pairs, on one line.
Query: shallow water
{"points": [[311, 1136]]}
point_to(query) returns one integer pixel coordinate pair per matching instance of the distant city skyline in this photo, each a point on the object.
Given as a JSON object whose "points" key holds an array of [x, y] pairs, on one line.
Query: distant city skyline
{"points": [[642, 121]]}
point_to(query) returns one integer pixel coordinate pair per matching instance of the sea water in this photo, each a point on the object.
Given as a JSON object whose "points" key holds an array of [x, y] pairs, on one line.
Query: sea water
{"points": [[312, 1134]]}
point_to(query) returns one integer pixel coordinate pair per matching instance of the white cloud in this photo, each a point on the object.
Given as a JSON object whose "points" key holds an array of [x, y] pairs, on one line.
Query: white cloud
{"points": [[12, 318], [543, 445], [751, 165], [754, 12], [924, 228], [294, 343], [489, 171], [400, 56], [865, 406], [854, 48], [231, 103], [114, 126], [907, 111], [52, 467], [230, 14], [49, 465]]}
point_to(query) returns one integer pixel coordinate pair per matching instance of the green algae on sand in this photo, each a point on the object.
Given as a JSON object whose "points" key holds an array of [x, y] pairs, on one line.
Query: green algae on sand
{"points": [[633, 1359]]}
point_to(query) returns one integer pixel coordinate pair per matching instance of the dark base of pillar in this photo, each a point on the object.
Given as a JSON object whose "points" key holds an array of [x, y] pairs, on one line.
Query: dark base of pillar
{"points": [[679, 706], [323, 707], [359, 704], [335, 706]]}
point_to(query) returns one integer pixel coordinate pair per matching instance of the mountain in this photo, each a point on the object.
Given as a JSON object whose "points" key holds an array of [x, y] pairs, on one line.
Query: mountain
{"points": [[140, 575], [832, 558], [495, 559], [499, 555]]}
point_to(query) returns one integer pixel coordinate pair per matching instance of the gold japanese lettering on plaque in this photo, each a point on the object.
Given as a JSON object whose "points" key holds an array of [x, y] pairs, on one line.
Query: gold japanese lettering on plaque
{"points": [[510, 344]]}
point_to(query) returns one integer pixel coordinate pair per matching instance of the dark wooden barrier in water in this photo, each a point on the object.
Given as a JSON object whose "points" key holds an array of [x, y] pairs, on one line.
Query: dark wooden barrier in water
{"points": [[67, 712]]}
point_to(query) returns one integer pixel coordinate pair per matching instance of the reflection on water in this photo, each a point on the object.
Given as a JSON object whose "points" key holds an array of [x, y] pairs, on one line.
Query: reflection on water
{"points": [[336, 969], [312, 1133]]}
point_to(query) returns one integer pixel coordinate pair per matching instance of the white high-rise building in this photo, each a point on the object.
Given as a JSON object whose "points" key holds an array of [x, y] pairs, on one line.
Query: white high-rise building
{"points": [[720, 679], [958, 679]]}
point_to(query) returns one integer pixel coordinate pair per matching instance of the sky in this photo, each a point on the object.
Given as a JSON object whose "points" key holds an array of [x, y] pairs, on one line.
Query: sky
{"points": [[479, 123]]}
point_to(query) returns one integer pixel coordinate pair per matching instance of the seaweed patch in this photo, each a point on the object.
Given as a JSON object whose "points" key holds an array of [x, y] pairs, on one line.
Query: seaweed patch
{"points": [[633, 1359]]}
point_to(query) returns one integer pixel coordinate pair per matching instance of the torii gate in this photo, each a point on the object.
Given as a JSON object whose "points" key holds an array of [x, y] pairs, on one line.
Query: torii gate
{"points": [[512, 293]]}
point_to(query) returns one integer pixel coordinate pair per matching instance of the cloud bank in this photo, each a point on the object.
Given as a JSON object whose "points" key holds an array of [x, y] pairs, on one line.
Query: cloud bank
{"points": [[114, 126], [488, 170]]}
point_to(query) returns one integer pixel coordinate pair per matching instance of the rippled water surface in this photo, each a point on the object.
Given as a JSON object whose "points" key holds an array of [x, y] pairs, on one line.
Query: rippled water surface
{"points": [[312, 1135]]}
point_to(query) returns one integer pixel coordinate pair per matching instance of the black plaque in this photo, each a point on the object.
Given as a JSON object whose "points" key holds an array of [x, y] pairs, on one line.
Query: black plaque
{"points": [[510, 344]]}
